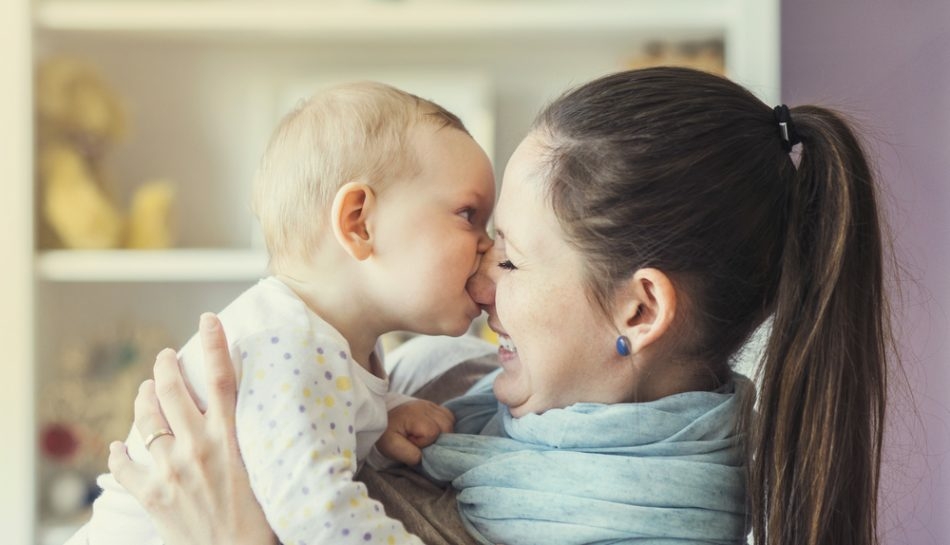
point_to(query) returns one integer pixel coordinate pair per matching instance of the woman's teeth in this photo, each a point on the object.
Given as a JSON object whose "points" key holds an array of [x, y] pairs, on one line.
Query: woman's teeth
{"points": [[505, 342]]}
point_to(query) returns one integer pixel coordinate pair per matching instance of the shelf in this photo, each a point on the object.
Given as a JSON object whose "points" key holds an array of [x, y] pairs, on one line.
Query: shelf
{"points": [[363, 20], [184, 265]]}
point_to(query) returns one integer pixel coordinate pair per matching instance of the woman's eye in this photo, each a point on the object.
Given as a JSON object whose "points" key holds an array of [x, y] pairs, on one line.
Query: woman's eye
{"points": [[507, 265], [468, 214]]}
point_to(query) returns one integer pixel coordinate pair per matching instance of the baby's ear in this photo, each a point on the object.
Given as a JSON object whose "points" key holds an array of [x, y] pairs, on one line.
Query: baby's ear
{"points": [[648, 309], [352, 206]]}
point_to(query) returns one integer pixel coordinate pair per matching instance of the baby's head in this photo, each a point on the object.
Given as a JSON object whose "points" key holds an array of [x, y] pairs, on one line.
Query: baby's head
{"points": [[400, 184], [351, 132]]}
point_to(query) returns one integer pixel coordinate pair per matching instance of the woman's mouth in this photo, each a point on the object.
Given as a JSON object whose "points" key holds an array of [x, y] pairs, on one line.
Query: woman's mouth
{"points": [[506, 348]]}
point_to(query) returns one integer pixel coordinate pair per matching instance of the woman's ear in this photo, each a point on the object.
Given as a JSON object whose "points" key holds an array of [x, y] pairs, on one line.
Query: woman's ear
{"points": [[647, 309], [350, 213]]}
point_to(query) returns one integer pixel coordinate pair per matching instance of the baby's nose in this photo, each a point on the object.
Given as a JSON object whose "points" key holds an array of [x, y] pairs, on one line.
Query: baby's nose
{"points": [[481, 286]]}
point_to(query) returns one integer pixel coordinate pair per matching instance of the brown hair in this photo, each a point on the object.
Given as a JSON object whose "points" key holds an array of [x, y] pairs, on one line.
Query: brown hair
{"points": [[340, 134], [686, 172]]}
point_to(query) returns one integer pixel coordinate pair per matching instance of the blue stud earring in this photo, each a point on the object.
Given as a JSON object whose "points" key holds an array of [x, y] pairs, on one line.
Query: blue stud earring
{"points": [[623, 345]]}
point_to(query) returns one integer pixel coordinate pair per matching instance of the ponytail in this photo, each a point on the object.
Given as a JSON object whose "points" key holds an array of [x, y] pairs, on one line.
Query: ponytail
{"points": [[816, 440], [689, 173]]}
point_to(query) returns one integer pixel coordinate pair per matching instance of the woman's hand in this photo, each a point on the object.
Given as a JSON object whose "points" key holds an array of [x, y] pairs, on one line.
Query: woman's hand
{"points": [[198, 492]]}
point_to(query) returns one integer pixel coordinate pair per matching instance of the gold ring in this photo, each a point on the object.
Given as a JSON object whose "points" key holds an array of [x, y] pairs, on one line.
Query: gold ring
{"points": [[151, 438]]}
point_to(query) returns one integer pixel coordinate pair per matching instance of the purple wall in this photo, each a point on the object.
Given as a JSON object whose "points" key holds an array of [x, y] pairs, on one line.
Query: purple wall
{"points": [[887, 63]]}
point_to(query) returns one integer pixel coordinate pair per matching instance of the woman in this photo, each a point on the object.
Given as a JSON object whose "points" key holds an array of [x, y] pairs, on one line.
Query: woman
{"points": [[647, 225]]}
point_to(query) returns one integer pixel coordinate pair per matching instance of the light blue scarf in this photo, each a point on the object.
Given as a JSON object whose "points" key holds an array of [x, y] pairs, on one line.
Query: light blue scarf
{"points": [[664, 472]]}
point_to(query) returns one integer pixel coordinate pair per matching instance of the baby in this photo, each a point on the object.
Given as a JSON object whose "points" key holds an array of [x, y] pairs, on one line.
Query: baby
{"points": [[374, 204]]}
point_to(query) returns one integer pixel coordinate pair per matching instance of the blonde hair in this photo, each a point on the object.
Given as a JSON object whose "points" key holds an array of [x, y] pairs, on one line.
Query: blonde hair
{"points": [[356, 131]]}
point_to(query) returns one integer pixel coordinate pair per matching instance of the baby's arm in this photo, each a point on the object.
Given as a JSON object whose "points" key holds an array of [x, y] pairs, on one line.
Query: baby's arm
{"points": [[295, 428]]}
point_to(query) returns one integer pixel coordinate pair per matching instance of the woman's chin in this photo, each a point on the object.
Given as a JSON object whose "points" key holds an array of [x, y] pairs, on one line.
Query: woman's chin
{"points": [[506, 391]]}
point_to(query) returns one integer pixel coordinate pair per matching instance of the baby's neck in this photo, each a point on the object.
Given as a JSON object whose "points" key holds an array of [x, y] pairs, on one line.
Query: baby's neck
{"points": [[337, 304]]}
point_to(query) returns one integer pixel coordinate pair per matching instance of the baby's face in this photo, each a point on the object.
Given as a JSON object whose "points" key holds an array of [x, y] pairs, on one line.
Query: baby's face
{"points": [[431, 232]]}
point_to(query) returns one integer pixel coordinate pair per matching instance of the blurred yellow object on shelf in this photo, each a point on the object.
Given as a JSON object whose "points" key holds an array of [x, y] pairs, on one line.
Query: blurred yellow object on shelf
{"points": [[79, 117]]}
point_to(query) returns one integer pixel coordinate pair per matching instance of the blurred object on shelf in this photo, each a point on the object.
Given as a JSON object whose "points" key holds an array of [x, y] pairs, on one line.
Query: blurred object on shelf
{"points": [[75, 104], [79, 117], [59, 441], [86, 404], [707, 55], [69, 493], [75, 206], [150, 216]]}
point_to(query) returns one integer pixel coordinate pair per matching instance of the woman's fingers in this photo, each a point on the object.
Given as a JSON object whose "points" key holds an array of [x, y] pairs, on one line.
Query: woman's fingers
{"points": [[129, 474], [149, 420], [198, 491], [176, 402], [219, 370]]}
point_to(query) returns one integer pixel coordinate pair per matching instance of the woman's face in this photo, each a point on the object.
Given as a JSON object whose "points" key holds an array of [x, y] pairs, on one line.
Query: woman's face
{"points": [[557, 346]]}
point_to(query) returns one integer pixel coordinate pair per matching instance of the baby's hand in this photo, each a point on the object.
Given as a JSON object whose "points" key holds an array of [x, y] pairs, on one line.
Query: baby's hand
{"points": [[411, 426]]}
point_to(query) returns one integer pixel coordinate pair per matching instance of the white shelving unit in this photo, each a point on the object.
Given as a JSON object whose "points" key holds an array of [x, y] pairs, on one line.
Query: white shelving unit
{"points": [[189, 265], [203, 80], [749, 27], [392, 18], [335, 20]]}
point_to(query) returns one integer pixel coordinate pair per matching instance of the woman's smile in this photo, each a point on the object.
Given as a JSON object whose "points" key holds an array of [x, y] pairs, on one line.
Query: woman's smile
{"points": [[506, 348]]}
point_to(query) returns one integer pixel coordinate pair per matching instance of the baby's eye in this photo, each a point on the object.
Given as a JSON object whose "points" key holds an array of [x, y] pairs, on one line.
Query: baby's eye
{"points": [[467, 213], [507, 265]]}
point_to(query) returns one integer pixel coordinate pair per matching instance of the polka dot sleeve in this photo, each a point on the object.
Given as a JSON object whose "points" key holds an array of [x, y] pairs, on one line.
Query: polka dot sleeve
{"points": [[295, 430]]}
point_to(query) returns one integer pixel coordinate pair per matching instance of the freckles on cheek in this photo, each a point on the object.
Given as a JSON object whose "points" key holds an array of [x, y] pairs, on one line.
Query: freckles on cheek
{"points": [[503, 300]]}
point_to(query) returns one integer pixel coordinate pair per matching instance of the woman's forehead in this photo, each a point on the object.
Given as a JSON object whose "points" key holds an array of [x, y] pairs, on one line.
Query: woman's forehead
{"points": [[521, 182], [525, 220]]}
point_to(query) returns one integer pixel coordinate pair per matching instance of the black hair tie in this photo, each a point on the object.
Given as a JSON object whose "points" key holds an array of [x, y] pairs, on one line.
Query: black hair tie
{"points": [[786, 128]]}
